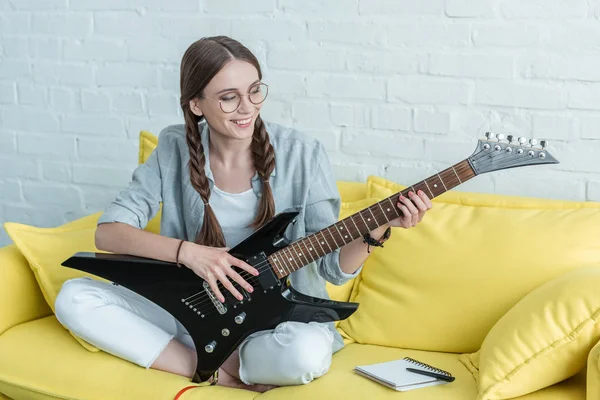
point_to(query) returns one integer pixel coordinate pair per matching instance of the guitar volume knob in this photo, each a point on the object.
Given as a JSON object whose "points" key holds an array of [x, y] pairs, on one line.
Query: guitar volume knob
{"points": [[209, 348], [240, 318]]}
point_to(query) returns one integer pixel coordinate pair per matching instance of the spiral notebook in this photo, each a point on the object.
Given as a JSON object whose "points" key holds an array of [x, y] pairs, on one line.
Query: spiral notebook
{"points": [[394, 374]]}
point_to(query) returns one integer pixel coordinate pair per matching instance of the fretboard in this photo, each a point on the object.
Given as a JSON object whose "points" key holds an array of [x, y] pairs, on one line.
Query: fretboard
{"points": [[316, 245]]}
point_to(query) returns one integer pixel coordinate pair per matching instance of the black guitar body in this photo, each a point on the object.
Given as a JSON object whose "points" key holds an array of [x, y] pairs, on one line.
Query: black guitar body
{"points": [[218, 328]]}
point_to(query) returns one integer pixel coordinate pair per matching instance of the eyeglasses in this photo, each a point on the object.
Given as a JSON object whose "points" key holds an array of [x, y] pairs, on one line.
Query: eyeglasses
{"points": [[231, 101]]}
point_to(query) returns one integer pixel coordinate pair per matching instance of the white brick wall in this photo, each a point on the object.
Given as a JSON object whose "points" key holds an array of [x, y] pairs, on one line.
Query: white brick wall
{"points": [[398, 88]]}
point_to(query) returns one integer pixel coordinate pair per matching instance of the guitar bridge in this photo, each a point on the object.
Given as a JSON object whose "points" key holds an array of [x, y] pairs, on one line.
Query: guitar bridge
{"points": [[218, 305]]}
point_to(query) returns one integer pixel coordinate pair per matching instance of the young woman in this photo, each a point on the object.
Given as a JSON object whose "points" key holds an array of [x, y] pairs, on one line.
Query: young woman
{"points": [[219, 177]]}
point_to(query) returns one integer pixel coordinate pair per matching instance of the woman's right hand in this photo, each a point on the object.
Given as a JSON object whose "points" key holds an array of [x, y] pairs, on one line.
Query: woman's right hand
{"points": [[214, 264]]}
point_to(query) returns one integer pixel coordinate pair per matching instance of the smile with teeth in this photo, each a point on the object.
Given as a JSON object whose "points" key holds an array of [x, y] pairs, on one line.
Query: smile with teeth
{"points": [[242, 121]]}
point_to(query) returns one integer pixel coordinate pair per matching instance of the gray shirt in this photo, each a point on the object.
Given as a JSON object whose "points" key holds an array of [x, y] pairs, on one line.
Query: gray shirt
{"points": [[302, 180]]}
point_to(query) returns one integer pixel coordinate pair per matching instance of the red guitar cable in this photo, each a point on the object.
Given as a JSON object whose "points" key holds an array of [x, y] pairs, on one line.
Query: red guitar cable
{"points": [[185, 389]]}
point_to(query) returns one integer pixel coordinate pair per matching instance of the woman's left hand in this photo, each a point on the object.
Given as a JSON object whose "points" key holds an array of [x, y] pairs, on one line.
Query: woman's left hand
{"points": [[413, 209]]}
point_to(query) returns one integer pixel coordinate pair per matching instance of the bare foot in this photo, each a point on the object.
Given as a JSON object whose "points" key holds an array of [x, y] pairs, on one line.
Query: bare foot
{"points": [[230, 381]]}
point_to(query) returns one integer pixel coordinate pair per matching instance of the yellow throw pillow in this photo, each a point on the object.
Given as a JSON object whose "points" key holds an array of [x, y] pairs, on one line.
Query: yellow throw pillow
{"points": [[46, 248], [148, 143], [544, 339]]}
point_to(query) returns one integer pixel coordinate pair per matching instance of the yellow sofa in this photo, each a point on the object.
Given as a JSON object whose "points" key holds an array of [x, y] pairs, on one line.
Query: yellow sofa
{"points": [[498, 290]]}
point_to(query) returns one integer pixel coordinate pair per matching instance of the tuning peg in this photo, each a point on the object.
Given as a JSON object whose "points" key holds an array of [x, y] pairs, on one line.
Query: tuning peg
{"points": [[489, 135], [510, 138], [500, 136], [522, 140], [533, 142], [544, 143]]}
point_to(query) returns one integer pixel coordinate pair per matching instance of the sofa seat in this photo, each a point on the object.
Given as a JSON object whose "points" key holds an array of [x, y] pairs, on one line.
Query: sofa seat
{"points": [[41, 360]]}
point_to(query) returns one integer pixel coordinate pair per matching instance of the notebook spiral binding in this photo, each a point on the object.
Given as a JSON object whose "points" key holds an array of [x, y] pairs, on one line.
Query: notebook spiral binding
{"points": [[427, 366]]}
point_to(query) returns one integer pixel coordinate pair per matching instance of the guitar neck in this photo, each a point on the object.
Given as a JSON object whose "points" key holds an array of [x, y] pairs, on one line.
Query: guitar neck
{"points": [[316, 245]]}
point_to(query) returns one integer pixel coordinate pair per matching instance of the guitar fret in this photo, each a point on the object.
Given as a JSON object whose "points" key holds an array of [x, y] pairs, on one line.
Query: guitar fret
{"points": [[382, 210], [303, 253], [375, 218], [313, 248], [323, 248], [441, 180], [357, 230], [325, 241], [292, 259], [457, 177], [363, 219], [393, 207], [430, 192], [334, 238], [339, 231], [279, 268], [347, 230]]}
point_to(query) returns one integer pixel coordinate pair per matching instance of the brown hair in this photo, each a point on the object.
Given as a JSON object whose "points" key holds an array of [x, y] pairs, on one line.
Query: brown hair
{"points": [[200, 63]]}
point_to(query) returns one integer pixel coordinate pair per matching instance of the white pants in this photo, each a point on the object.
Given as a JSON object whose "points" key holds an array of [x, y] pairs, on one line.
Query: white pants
{"points": [[127, 325]]}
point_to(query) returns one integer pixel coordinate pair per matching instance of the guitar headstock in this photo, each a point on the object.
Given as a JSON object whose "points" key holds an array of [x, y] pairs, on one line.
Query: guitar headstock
{"points": [[495, 153]]}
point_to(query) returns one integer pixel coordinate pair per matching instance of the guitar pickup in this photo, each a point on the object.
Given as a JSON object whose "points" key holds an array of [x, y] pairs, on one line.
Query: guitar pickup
{"points": [[230, 298]]}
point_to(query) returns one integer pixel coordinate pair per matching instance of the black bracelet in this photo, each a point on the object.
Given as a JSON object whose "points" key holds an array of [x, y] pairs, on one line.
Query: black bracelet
{"points": [[368, 239]]}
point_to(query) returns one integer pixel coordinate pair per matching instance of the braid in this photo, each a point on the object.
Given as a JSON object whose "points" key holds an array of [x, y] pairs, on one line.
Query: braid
{"points": [[211, 233], [264, 162]]}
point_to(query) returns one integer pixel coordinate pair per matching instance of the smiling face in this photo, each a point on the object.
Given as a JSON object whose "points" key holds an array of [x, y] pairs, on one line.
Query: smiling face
{"points": [[234, 79]]}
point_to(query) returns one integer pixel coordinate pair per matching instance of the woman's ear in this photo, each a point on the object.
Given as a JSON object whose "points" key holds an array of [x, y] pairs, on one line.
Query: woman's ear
{"points": [[195, 107]]}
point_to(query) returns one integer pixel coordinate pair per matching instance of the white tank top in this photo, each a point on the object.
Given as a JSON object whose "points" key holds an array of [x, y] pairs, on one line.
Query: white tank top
{"points": [[234, 211]]}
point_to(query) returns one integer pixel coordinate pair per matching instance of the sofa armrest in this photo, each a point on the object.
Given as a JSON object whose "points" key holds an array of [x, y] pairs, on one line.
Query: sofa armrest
{"points": [[20, 297], [593, 373]]}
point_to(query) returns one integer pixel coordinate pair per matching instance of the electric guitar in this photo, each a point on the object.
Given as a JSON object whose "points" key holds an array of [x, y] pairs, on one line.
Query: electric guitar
{"points": [[219, 328]]}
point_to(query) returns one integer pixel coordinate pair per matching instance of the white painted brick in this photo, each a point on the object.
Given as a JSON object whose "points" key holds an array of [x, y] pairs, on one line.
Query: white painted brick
{"points": [[430, 121], [5, 6], [155, 50], [46, 48], [310, 58], [430, 34], [351, 87], [469, 8], [152, 123], [229, 7], [38, 215], [285, 85], [10, 191], [56, 171], [506, 34], [94, 49], [15, 23], [127, 75], [62, 74], [526, 95], [102, 175], [31, 95], [347, 32], [567, 68], [277, 111], [63, 100], [127, 103], [374, 143], [8, 142], [543, 9], [269, 29], [354, 172], [7, 93], [391, 117], [472, 65], [97, 199], [582, 153], [92, 125], [593, 191], [94, 101], [14, 70], [193, 27], [43, 193], [447, 150], [423, 90], [169, 78], [61, 24], [46, 145], [320, 7], [590, 127], [38, 5], [29, 119], [508, 123], [190, 6], [314, 115], [352, 115], [105, 5], [14, 167], [121, 24], [329, 138], [401, 7], [553, 127], [162, 104], [584, 96], [397, 61], [122, 150], [15, 47]]}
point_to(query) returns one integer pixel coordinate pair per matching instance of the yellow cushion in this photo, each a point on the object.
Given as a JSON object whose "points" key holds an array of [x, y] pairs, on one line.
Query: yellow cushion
{"points": [[464, 266], [545, 338], [41, 361], [46, 248], [148, 143]]}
